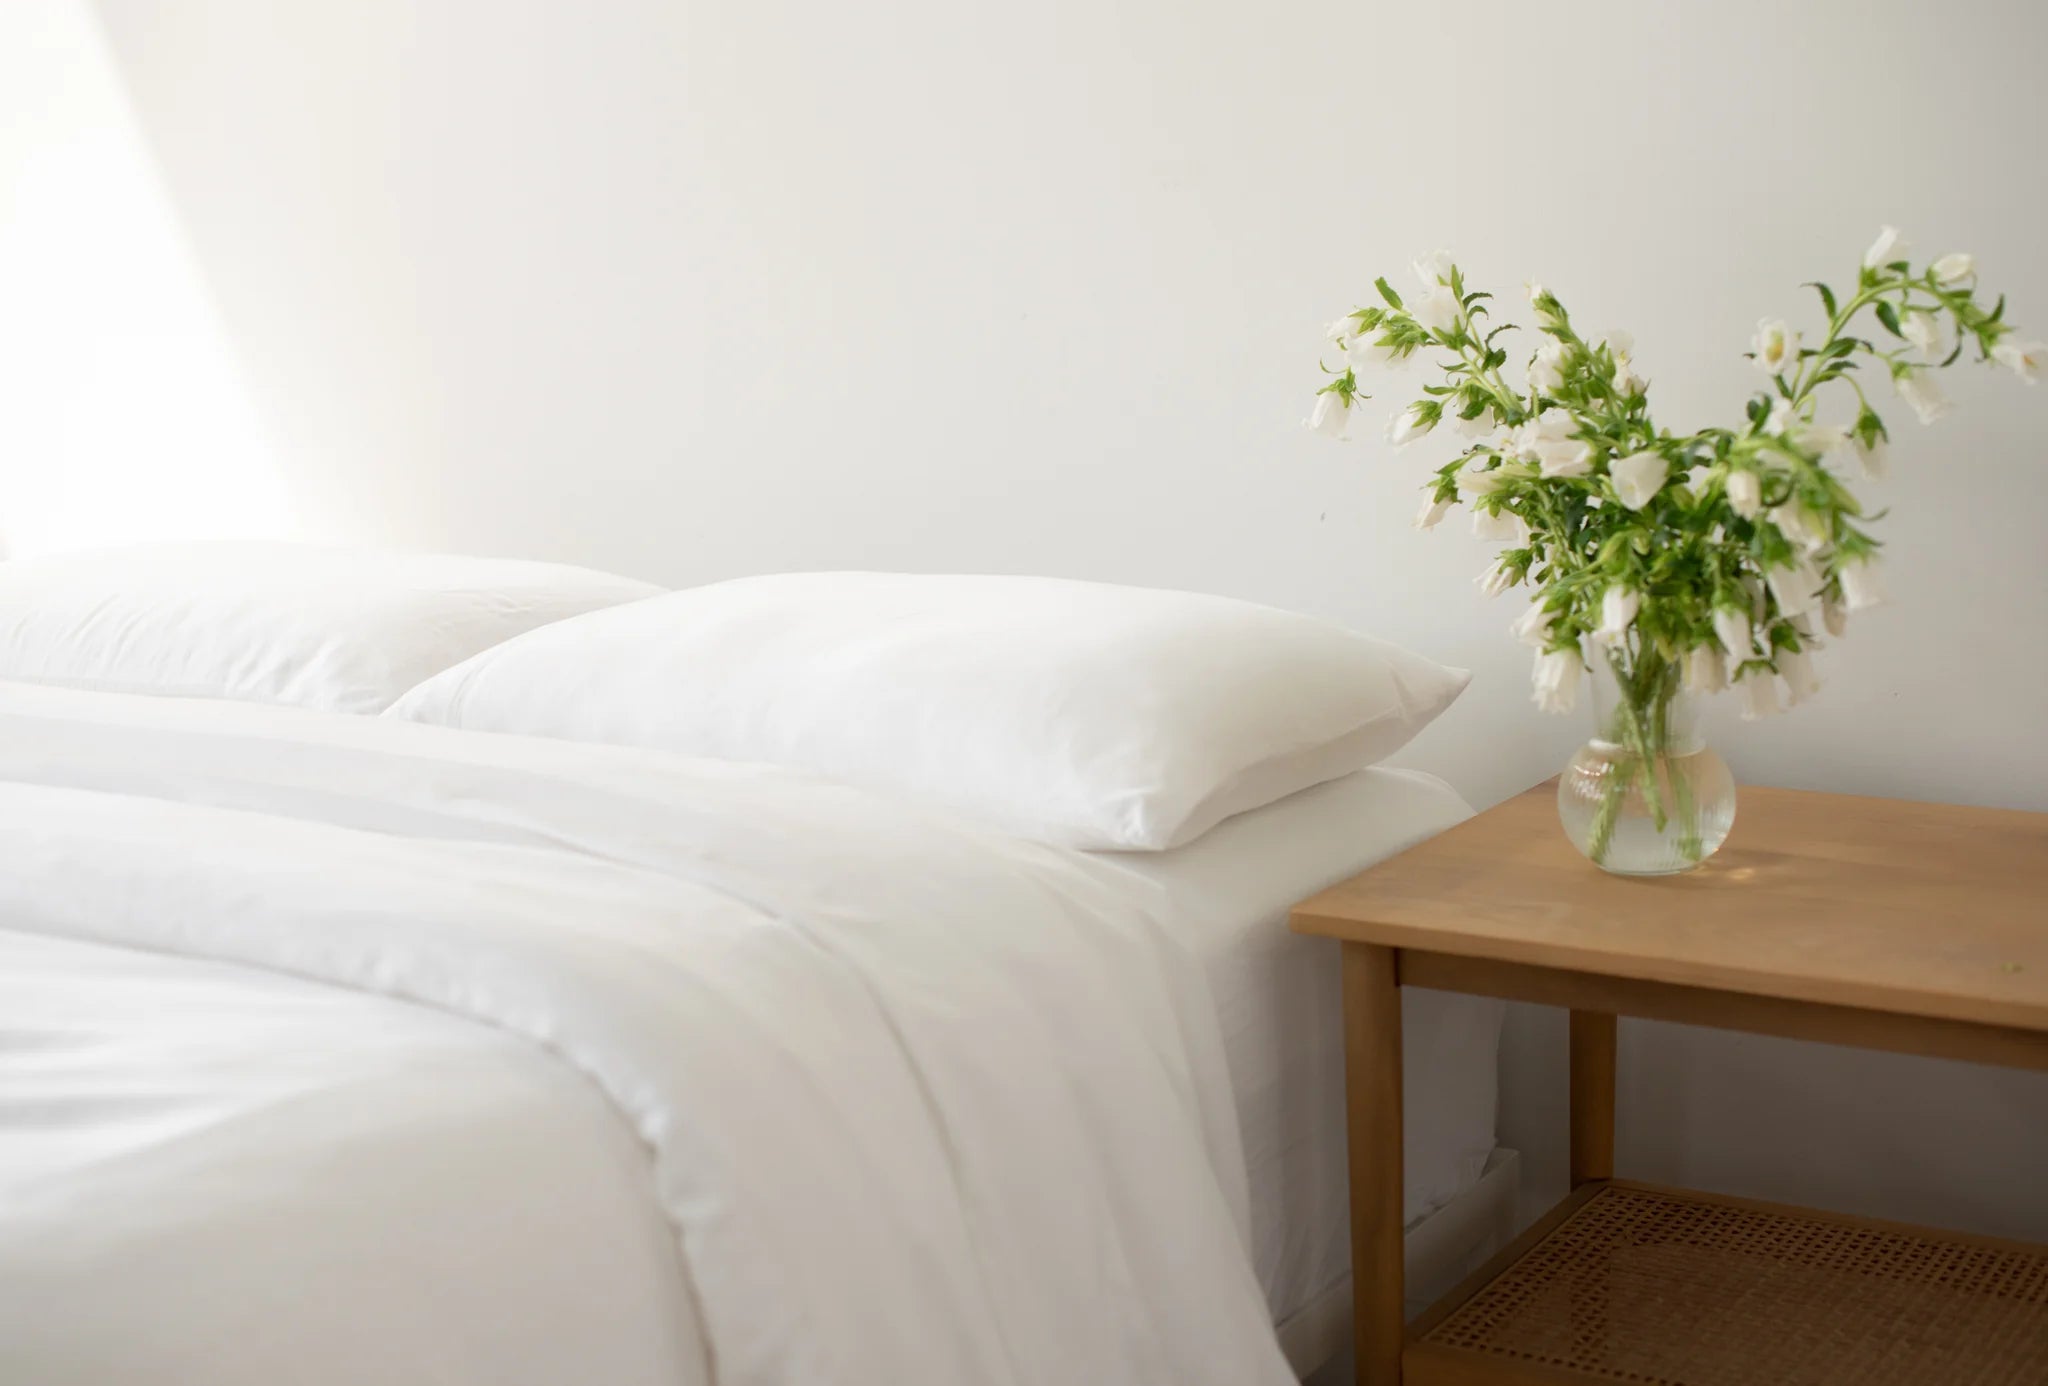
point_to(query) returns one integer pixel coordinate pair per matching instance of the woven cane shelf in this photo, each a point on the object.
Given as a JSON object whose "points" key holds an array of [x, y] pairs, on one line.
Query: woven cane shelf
{"points": [[1659, 1287]]}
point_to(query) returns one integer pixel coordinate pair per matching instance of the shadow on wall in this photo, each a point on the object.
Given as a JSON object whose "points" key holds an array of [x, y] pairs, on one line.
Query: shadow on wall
{"points": [[125, 415]]}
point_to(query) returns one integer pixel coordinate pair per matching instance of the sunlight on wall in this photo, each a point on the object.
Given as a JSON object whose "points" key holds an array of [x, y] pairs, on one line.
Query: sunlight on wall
{"points": [[122, 413]]}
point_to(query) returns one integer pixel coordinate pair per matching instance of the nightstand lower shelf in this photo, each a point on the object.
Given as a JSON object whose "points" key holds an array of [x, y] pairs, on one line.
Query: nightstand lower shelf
{"points": [[1627, 1282]]}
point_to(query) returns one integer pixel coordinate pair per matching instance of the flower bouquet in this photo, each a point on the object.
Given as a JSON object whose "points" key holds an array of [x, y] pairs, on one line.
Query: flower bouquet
{"points": [[1678, 564]]}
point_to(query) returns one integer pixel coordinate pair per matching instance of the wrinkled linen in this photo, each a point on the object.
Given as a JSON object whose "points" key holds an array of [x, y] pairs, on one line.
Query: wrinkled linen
{"points": [[920, 1103]]}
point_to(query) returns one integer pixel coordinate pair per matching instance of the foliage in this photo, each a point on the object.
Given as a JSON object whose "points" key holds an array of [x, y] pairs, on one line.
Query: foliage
{"points": [[1713, 553]]}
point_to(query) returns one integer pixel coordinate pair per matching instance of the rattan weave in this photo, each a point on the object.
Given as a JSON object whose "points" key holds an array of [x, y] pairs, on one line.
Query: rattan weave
{"points": [[1669, 1289]]}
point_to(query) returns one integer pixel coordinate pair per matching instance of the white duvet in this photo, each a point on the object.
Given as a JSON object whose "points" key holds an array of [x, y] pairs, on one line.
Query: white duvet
{"points": [[914, 1103]]}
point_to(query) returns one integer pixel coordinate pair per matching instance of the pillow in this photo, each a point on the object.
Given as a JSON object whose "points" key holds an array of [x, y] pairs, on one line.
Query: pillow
{"points": [[343, 630], [1070, 712]]}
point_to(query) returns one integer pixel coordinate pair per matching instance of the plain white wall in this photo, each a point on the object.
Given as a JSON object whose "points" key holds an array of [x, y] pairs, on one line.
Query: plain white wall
{"points": [[692, 289]]}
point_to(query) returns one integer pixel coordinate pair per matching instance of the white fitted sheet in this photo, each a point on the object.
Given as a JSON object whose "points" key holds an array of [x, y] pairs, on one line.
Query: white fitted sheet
{"points": [[1279, 1000]]}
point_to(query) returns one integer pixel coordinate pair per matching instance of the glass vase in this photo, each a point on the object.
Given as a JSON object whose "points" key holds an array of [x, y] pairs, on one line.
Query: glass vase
{"points": [[1646, 796]]}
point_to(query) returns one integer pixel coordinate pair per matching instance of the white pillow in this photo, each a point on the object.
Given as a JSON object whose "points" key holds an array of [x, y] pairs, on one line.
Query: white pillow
{"points": [[1071, 712], [343, 630]]}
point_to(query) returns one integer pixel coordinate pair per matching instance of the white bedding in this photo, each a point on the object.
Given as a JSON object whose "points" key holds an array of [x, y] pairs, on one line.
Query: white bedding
{"points": [[1278, 1000], [922, 1104], [221, 1173]]}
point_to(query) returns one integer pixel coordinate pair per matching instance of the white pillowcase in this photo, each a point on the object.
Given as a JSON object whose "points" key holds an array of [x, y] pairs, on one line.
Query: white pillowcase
{"points": [[1070, 712], [339, 629]]}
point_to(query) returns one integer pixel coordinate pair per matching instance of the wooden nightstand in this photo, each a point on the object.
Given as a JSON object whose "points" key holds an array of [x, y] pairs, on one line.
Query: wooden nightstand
{"points": [[1920, 928]]}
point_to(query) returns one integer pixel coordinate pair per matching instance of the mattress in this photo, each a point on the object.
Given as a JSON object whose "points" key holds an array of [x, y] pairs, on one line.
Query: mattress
{"points": [[1278, 996]]}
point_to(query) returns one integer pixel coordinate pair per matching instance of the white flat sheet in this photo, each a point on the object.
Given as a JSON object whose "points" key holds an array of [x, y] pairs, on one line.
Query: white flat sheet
{"points": [[1278, 998], [914, 1103]]}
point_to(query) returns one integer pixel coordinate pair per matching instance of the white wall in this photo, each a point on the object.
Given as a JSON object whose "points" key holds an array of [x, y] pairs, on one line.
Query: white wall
{"points": [[122, 415], [693, 289]]}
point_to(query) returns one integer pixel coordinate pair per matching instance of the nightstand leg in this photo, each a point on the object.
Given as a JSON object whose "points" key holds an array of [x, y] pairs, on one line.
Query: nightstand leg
{"points": [[1372, 1077], [1593, 1034]]}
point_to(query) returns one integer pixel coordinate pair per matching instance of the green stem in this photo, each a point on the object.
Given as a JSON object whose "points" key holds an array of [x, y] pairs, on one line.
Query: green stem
{"points": [[1634, 695], [1600, 835], [1642, 730], [1690, 846]]}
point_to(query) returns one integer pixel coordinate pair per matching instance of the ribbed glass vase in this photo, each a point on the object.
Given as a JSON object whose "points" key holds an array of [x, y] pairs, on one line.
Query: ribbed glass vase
{"points": [[1646, 796]]}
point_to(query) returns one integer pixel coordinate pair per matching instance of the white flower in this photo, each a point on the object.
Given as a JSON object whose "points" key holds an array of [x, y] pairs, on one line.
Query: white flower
{"points": [[1834, 617], [1618, 608], [1621, 346], [1759, 694], [1475, 426], [1552, 425], [1951, 270], [1557, 680], [1638, 477], [1534, 290], [1532, 627], [1822, 440], [1780, 418], [1363, 355], [1570, 458], [1801, 683], [1797, 587], [1432, 512], [1340, 331], [1546, 440], [1862, 583], [1496, 579], [1731, 628], [1923, 330], [1923, 392], [1437, 310], [1434, 268], [1759, 597], [1806, 528], [1473, 484], [1745, 494], [1546, 368], [1332, 416], [1504, 527], [1888, 246], [1408, 425], [1705, 671], [2022, 356], [1873, 457], [1776, 346]]}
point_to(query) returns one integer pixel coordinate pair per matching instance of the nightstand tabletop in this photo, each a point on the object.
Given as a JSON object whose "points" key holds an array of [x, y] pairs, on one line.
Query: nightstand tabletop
{"points": [[1915, 909]]}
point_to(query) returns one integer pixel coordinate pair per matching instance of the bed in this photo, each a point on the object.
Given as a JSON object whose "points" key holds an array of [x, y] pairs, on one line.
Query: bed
{"points": [[218, 1170], [343, 1048]]}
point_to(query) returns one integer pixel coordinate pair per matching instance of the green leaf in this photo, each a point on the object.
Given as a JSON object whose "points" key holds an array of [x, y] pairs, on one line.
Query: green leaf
{"points": [[1887, 315], [1387, 291], [1827, 297]]}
